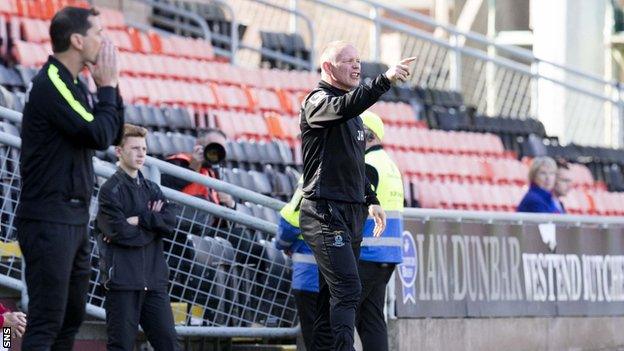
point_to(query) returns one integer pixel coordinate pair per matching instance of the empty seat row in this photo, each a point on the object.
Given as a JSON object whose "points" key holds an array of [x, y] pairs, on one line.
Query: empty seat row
{"points": [[273, 183], [442, 98], [154, 65], [535, 145], [426, 140], [459, 118], [41, 9], [198, 95], [220, 27], [398, 113], [467, 168], [32, 46], [168, 117], [464, 168], [164, 144], [501, 197], [288, 44], [273, 152], [237, 124], [478, 197]]}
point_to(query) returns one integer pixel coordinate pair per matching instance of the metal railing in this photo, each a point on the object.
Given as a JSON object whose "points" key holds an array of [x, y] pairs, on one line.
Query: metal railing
{"points": [[262, 15], [518, 218], [498, 80], [185, 174], [226, 277], [249, 50]]}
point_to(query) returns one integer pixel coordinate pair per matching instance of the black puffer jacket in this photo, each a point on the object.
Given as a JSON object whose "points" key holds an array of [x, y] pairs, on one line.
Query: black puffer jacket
{"points": [[134, 258]]}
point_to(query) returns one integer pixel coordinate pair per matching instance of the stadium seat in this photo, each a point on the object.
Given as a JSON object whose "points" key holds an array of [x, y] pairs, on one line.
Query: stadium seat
{"points": [[281, 185], [166, 144], [261, 182], [179, 143], [250, 148], [265, 100], [112, 19], [231, 97], [615, 179], [153, 145], [246, 181]]}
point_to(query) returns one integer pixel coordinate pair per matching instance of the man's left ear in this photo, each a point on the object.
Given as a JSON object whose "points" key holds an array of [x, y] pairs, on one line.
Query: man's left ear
{"points": [[76, 41]]}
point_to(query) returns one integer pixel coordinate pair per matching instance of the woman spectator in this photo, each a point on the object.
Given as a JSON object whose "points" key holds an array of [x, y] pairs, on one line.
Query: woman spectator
{"points": [[539, 198]]}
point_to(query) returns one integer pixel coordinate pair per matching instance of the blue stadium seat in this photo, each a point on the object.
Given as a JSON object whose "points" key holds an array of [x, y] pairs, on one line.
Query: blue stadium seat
{"points": [[132, 115], [251, 151], [261, 182], [166, 144], [153, 145]]}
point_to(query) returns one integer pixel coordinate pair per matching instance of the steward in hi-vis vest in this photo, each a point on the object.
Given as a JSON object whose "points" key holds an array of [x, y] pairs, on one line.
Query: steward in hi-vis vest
{"points": [[379, 255]]}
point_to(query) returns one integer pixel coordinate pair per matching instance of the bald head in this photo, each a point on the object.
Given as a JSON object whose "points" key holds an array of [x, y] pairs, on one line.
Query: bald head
{"points": [[340, 65], [332, 51]]}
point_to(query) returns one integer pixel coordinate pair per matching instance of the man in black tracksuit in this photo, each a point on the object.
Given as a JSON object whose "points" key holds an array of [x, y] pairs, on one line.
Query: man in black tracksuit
{"points": [[132, 218], [336, 191], [61, 127]]}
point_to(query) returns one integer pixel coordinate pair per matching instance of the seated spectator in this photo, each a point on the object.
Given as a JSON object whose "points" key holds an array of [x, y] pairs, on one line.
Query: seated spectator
{"points": [[563, 182], [539, 198]]}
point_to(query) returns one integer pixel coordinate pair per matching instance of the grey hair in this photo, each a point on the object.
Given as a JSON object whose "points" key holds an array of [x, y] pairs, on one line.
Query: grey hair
{"points": [[538, 163]]}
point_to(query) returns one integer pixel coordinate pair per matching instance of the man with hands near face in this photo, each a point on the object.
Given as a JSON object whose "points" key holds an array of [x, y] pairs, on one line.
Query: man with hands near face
{"points": [[132, 219], [62, 126], [337, 195]]}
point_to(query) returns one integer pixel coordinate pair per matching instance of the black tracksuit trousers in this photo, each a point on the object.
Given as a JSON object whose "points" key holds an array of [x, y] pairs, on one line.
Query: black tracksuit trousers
{"points": [[127, 309], [369, 320], [306, 309], [333, 230], [57, 277]]}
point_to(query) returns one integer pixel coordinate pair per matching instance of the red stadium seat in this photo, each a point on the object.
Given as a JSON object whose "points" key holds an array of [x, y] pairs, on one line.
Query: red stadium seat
{"points": [[33, 30], [265, 100], [30, 54], [121, 39], [276, 128], [581, 175], [112, 19], [231, 97], [8, 7]]}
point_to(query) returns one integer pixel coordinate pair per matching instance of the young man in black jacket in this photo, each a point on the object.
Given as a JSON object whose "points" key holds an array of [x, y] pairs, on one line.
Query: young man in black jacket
{"points": [[61, 127], [133, 217], [337, 194]]}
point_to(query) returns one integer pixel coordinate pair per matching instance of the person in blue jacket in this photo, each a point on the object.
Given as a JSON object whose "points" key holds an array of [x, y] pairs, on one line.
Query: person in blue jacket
{"points": [[305, 278], [539, 198]]}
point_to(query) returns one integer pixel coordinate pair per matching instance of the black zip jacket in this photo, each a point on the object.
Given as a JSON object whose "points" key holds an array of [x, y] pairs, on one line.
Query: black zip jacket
{"points": [[134, 259], [61, 127], [333, 142]]}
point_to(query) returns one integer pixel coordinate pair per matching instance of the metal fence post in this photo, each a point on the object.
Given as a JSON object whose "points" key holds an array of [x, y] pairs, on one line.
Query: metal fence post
{"points": [[619, 121], [535, 88], [294, 4], [455, 70], [375, 39]]}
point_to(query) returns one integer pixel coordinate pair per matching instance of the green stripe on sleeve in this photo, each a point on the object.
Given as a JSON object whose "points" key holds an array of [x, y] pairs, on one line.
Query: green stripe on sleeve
{"points": [[67, 94]]}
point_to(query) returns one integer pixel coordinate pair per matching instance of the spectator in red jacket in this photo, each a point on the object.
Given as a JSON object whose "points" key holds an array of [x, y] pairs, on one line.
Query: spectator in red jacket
{"points": [[15, 320]]}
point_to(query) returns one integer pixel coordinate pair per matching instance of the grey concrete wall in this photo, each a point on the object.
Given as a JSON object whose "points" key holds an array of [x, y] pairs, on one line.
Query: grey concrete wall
{"points": [[509, 334]]}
